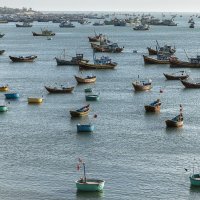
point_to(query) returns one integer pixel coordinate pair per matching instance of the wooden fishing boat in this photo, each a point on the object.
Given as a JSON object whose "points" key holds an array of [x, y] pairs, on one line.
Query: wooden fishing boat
{"points": [[88, 185], [3, 108], [83, 65], [150, 60], [85, 127], [35, 100], [142, 85], [97, 38], [57, 90], [180, 75], [153, 107], [44, 32], [23, 58], [110, 48], [84, 111], [192, 63], [11, 95], [104, 62], [74, 60], [176, 121], [87, 79], [4, 88], [92, 97], [190, 84], [1, 52], [195, 180]]}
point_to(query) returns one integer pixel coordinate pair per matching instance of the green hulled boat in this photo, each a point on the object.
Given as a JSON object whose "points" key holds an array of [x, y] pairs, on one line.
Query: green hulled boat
{"points": [[92, 97], [3, 108], [90, 185], [195, 180], [88, 89]]}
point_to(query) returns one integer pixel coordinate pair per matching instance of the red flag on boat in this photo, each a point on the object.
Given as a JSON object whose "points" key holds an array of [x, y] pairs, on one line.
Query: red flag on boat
{"points": [[95, 116], [78, 167]]}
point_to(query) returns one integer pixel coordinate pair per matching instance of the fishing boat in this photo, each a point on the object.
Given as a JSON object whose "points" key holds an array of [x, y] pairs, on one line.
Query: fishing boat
{"points": [[23, 58], [84, 111], [141, 27], [3, 108], [141, 85], [85, 127], [35, 100], [1, 35], [176, 121], [92, 97], [161, 59], [74, 60], [191, 63], [4, 88], [195, 179], [104, 62], [88, 90], [1, 52], [87, 79], [66, 24], [180, 75], [109, 48], [97, 38], [60, 90], [88, 185], [11, 95], [192, 25], [190, 84], [44, 32], [166, 49], [153, 107], [24, 25]]}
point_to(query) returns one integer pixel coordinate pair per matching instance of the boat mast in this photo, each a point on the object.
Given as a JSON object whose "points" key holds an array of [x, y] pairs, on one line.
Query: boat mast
{"points": [[186, 54], [84, 172]]}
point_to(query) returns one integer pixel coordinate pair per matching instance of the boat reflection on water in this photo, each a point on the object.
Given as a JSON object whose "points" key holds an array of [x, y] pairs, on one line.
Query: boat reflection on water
{"points": [[88, 195]]}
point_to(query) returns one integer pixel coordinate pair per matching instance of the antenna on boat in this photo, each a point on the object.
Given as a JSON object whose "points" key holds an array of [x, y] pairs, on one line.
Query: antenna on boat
{"points": [[186, 54]]}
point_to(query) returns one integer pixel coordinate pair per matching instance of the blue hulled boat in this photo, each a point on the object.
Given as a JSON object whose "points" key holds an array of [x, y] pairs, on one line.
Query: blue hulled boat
{"points": [[12, 96], [85, 127]]}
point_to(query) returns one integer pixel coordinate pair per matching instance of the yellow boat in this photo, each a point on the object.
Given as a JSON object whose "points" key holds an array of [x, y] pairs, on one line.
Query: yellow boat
{"points": [[4, 88], [35, 100]]}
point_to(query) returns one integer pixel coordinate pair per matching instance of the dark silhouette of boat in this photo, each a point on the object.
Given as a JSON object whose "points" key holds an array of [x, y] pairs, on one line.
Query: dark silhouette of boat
{"points": [[74, 60], [24, 25], [1, 52], [180, 75], [190, 84], [44, 32], [110, 48], [57, 90], [23, 58], [191, 63]]}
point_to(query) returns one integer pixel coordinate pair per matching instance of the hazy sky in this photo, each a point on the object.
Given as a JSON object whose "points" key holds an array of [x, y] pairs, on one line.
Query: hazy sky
{"points": [[106, 5]]}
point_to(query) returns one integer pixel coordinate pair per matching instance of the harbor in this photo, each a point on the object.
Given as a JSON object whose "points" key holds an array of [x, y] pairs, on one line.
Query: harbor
{"points": [[131, 150]]}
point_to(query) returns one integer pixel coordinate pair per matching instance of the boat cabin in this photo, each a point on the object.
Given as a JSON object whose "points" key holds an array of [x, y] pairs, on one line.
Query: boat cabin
{"points": [[195, 60]]}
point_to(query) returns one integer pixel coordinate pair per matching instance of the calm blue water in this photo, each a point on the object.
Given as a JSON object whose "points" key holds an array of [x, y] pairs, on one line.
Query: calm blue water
{"points": [[131, 150]]}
